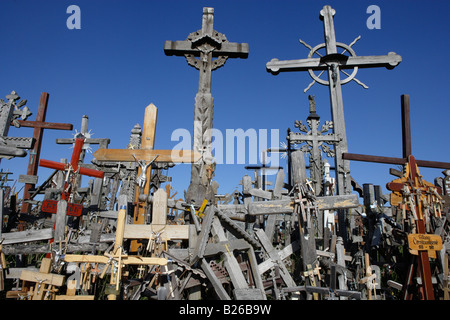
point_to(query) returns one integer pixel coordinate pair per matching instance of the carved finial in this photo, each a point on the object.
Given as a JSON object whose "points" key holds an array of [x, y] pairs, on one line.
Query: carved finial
{"points": [[312, 108]]}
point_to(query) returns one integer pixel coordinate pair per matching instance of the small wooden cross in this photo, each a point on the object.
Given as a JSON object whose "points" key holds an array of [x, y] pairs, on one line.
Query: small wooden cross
{"points": [[44, 281], [72, 167]]}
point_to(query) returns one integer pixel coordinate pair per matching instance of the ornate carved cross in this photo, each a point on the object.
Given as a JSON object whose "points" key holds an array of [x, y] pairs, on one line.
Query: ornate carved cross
{"points": [[315, 139], [205, 44]]}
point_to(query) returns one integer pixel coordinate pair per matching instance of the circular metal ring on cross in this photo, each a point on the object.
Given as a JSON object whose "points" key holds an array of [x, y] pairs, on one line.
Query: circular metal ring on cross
{"points": [[339, 45]]}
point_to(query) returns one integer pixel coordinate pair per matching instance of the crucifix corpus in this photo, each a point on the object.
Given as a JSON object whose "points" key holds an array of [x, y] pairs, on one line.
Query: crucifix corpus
{"points": [[144, 156], [335, 63], [205, 44], [72, 170]]}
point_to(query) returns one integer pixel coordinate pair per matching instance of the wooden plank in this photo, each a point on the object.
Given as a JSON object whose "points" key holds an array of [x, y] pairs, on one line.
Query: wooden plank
{"points": [[337, 202], [298, 167], [391, 160], [271, 207], [261, 193], [23, 178], [159, 212], [46, 278], [126, 155], [75, 298], [230, 49], [230, 262], [127, 260], [27, 236], [144, 231], [430, 242], [286, 206], [45, 125], [60, 223], [120, 227]]}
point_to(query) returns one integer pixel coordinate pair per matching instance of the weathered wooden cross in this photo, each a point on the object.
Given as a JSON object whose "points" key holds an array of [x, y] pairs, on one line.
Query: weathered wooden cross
{"points": [[314, 139], [205, 44], [413, 182], [335, 63], [406, 146], [146, 153], [117, 257], [39, 125]]}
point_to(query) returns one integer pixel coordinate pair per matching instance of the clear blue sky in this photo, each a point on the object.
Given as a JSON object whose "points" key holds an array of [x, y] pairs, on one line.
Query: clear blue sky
{"points": [[115, 65]]}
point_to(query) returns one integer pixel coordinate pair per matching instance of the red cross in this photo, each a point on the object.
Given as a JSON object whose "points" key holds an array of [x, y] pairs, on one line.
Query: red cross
{"points": [[73, 165]]}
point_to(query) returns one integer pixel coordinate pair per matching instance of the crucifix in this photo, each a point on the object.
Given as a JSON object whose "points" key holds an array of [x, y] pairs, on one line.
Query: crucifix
{"points": [[72, 169], [334, 63], [39, 125], [205, 44], [88, 141], [146, 153]]}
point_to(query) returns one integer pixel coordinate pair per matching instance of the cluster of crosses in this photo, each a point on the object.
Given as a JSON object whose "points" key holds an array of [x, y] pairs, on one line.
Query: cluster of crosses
{"points": [[127, 237]]}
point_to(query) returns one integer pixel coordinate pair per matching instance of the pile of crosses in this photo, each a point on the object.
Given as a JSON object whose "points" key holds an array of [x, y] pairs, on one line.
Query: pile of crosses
{"points": [[126, 237]]}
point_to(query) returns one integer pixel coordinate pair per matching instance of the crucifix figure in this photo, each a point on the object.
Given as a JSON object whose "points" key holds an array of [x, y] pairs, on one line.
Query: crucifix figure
{"points": [[142, 178], [205, 44], [71, 170], [315, 139], [335, 63]]}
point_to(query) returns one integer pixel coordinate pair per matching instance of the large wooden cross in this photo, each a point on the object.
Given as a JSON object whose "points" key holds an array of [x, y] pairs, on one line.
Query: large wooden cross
{"points": [[413, 181], [39, 125], [406, 145], [205, 44], [335, 63], [146, 153]]}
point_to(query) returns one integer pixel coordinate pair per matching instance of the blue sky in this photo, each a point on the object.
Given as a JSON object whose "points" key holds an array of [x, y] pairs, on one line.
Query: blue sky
{"points": [[115, 65]]}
